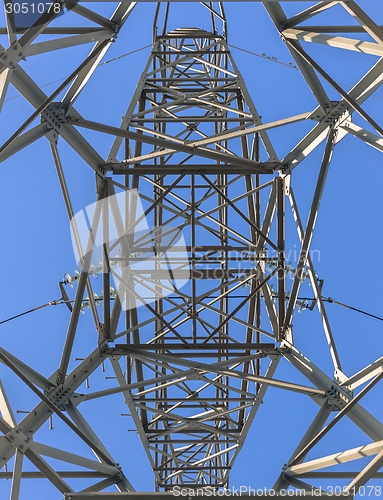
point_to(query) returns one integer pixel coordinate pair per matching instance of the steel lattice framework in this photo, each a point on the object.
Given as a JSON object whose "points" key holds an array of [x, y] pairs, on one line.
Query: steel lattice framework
{"points": [[193, 365]]}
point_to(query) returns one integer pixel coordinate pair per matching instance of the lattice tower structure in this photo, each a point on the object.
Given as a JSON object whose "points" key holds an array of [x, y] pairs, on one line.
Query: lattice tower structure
{"points": [[188, 238]]}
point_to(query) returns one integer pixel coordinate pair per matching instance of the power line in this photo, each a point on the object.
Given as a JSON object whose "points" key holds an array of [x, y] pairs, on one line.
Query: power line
{"points": [[62, 301], [124, 55], [262, 56], [288, 65], [100, 64], [50, 303], [330, 300], [265, 56]]}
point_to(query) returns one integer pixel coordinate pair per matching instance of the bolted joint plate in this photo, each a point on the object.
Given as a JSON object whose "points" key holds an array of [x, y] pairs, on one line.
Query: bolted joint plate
{"points": [[338, 397], [60, 397], [54, 117], [12, 56], [19, 439], [196, 375]]}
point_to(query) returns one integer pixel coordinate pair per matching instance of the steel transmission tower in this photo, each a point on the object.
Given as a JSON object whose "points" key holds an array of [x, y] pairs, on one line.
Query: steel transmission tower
{"points": [[192, 311]]}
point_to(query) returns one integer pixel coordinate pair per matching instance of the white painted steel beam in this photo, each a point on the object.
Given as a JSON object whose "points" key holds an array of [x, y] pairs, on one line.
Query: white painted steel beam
{"points": [[308, 13], [336, 459], [368, 137], [5, 407], [17, 474], [364, 375], [354, 45]]}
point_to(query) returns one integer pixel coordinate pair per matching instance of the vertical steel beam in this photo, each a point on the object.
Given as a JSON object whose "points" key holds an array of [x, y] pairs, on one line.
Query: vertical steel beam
{"points": [[75, 231], [5, 408], [310, 226], [105, 259], [16, 478], [314, 283], [65, 357], [280, 190]]}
